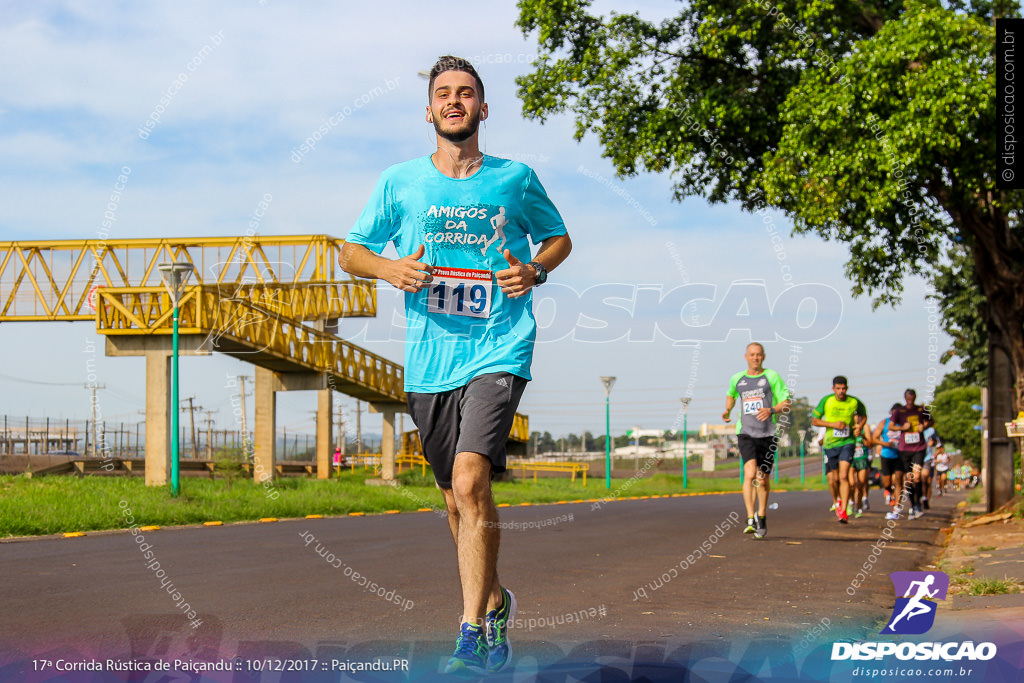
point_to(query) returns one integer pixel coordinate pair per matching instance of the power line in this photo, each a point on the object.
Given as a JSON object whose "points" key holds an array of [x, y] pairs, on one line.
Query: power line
{"points": [[803, 381], [33, 381]]}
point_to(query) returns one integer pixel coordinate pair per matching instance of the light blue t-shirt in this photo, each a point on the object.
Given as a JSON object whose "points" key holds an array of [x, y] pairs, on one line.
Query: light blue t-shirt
{"points": [[930, 434], [461, 325], [889, 436]]}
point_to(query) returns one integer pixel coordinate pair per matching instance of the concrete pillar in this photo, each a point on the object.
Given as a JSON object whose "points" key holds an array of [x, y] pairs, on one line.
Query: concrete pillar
{"points": [[158, 416], [324, 422], [157, 351], [265, 427], [387, 447]]}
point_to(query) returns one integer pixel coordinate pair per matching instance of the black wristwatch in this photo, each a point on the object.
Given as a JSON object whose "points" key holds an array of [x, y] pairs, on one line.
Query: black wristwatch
{"points": [[542, 272]]}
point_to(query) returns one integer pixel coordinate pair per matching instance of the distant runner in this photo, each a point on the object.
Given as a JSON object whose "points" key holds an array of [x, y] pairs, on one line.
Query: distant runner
{"points": [[931, 439], [763, 395], [861, 468], [910, 421], [891, 465], [941, 468], [843, 417]]}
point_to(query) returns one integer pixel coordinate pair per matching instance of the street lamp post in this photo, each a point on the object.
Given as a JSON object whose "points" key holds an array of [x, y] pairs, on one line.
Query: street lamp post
{"points": [[608, 382], [803, 434], [175, 276], [686, 405], [824, 476]]}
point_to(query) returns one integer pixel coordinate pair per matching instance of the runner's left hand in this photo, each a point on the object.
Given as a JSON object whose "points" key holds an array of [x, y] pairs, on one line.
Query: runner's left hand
{"points": [[517, 279]]}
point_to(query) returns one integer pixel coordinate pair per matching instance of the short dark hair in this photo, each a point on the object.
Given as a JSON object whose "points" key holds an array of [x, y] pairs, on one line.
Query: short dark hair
{"points": [[895, 406], [450, 63], [839, 379]]}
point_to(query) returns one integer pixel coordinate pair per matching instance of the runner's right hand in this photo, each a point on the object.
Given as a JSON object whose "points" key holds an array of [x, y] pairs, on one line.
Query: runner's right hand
{"points": [[408, 273]]}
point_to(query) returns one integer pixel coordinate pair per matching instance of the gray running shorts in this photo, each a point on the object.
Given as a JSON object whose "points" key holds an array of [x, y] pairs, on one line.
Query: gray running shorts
{"points": [[474, 418]]}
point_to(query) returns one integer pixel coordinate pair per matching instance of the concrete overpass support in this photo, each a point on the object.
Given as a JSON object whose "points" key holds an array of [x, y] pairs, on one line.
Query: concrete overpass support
{"points": [[158, 417], [324, 420], [157, 351], [268, 383], [265, 427], [387, 446]]}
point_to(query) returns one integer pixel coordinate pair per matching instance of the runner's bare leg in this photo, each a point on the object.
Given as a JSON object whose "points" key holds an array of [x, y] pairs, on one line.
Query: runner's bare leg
{"points": [[473, 520]]}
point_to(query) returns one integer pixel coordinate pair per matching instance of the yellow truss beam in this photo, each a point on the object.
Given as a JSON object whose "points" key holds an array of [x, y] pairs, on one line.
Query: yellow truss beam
{"points": [[58, 279]]}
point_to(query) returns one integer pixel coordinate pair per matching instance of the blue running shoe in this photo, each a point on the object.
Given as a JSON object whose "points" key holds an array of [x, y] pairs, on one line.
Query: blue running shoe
{"points": [[498, 622], [470, 651]]}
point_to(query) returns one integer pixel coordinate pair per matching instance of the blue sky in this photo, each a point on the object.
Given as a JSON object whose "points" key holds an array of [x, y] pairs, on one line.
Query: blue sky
{"points": [[79, 79]]}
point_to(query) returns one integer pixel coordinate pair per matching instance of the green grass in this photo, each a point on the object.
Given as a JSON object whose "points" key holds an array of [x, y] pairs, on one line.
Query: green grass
{"points": [[991, 586], [48, 505], [986, 548], [961, 573]]}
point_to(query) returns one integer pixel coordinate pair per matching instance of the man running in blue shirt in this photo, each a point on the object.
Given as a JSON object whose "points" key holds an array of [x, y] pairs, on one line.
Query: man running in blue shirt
{"points": [[470, 338]]}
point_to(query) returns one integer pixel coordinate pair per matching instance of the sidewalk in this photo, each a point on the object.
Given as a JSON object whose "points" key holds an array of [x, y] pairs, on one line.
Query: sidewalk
{"points": [[989, 552]]}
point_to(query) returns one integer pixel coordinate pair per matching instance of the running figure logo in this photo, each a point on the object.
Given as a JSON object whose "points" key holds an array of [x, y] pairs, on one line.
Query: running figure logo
{"points": [[498, 222], [914, 612]]}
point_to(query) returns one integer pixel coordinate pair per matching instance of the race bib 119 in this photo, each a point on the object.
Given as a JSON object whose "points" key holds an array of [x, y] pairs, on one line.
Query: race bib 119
{"points": [[460, 291]]}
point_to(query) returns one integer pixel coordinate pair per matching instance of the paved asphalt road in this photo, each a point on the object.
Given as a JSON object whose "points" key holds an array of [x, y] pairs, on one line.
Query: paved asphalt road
{"points": [[642, 577]]}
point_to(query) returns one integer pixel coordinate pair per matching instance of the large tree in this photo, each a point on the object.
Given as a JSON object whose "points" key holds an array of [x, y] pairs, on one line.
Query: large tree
{"points": [[961, 305], [872, 123], [956, 422]]}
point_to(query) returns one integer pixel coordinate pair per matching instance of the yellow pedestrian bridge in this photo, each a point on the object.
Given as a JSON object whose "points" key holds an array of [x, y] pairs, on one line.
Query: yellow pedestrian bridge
{"points": [[270, 301]]}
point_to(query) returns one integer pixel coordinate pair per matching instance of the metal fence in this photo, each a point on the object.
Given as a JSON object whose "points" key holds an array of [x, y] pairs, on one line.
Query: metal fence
{"points": [[39, 436]]}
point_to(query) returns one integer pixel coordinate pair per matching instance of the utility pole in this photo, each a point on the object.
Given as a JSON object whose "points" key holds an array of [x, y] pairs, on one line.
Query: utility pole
{"points": [[95, 429], [209, 433], [341, 430], [192, 417], [359, 426]]}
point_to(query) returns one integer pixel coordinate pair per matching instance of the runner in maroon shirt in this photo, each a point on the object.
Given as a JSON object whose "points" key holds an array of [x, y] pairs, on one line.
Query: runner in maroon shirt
{"points": [[910, 421]]}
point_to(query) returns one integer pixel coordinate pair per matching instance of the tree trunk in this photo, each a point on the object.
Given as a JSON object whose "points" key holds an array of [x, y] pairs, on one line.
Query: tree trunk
{"points": [[999, 269]]}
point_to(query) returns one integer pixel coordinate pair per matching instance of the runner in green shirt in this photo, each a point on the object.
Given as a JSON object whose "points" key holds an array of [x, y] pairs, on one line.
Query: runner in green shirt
{"points": [[843, 417], [861, 468]]}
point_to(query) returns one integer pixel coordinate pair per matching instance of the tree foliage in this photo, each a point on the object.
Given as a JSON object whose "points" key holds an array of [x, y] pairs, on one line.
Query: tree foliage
{"points": [[799, 418], [871, 123], [955, 420], [961, 306]]}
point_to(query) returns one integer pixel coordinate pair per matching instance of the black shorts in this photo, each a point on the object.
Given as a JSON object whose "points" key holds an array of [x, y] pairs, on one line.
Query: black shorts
{"points": [[474, 418], [834, 456], [761, 449], [911, 458], [891, 465]]}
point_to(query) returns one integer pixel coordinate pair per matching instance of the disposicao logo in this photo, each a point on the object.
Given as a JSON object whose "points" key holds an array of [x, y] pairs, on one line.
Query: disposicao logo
{"points": [[914, 612]]}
